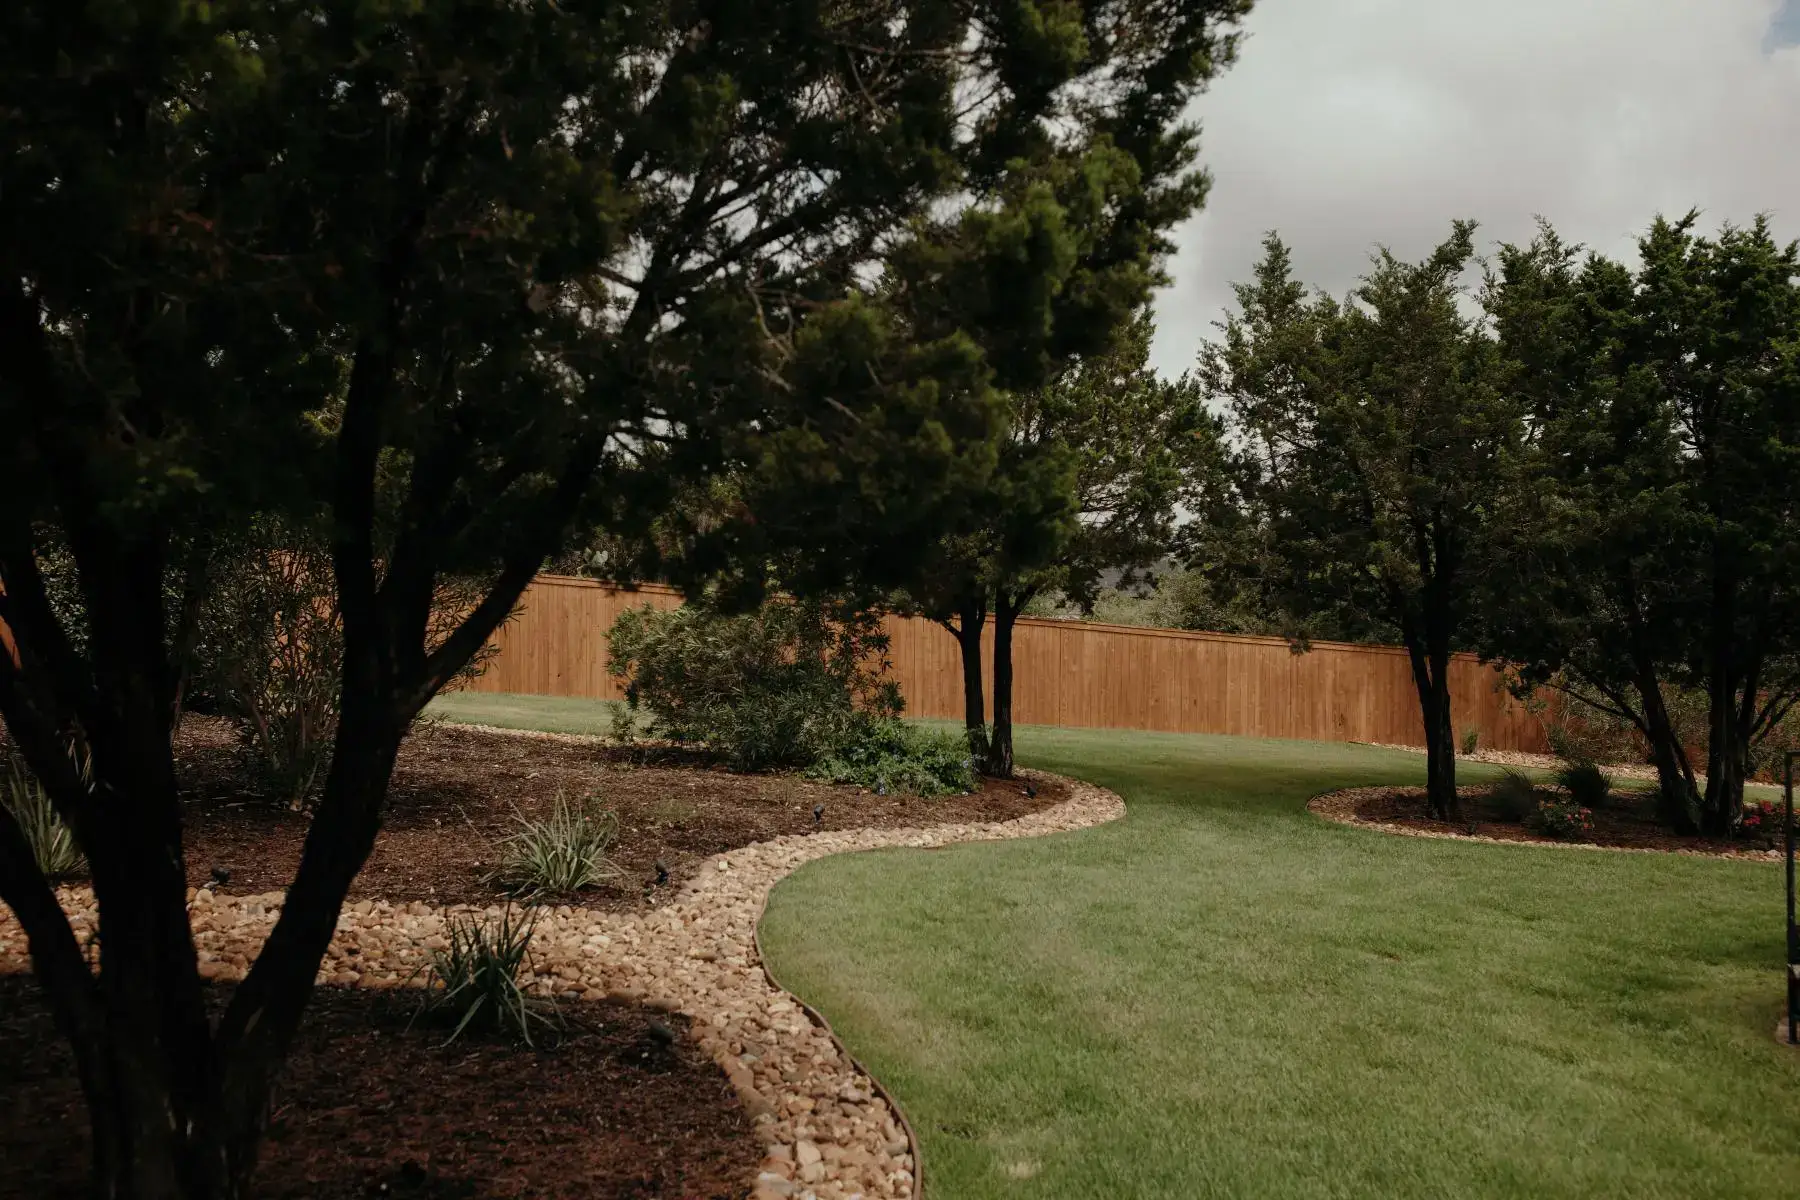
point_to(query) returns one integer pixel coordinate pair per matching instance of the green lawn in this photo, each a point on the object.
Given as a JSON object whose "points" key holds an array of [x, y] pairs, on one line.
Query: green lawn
{"points": [[1223, 996], [552, 714]]}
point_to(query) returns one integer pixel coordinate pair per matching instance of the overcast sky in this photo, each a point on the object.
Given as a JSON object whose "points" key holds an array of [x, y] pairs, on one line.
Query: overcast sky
{"points": [[1348, 124]]}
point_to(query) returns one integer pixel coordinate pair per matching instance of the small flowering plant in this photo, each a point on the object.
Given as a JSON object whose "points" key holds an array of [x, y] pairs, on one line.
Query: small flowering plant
{"points": [[1563, 818], [1761, 819]]}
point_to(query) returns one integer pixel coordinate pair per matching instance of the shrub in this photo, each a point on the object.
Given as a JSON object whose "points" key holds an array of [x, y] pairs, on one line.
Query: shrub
{"points": [[1580, 732], [270, 650], [1586, 784], [1471, 740], [888, 753], [562, 854], [474, 982], [1514, 795], [1564, 818], [782, 686], [1763, 819], [52, 842]]}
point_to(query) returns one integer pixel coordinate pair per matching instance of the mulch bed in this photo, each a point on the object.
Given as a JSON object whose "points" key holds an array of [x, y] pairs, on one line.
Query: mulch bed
{"points": [[457, 791], [1628, 823], [368, 1108]]}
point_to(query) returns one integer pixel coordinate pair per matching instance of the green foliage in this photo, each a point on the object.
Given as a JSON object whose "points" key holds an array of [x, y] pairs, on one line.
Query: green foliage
{"points": [[1514, 795], [272, 654], [1471, 740], [1587, 785], [473, 985], [1562, 818], [1207, 598], [52, 842], [1780, 738], [780, 686], [1580, 732], [269, 647], [1375, 449], [889, 754], [1099, 458], [561, 854], [1657, 549], [449, 280], [1762, 820]]}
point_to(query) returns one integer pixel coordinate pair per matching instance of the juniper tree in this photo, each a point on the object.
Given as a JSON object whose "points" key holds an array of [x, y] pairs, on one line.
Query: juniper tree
{"points": [[1372, 451], [452, 279], [1666, 405], [1088, 485]]}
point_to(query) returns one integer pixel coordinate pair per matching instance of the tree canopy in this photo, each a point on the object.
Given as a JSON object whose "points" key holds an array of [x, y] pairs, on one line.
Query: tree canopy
{"points": [[450, 280], [1372, 449], [1662, 547], [1088, 486]]}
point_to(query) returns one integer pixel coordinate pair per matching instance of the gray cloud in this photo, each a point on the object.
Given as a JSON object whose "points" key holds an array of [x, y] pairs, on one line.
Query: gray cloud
{"points": [[1348, 124]]}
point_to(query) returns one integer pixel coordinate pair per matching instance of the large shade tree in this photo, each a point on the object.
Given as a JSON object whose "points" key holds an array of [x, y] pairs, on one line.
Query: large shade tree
{"points": [[1373, 453], [1664, 530], [451, 279], [1088, 489]]}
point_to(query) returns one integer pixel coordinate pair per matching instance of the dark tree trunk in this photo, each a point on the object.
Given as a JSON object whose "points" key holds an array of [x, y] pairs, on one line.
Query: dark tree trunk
{"points": [[178, 1110], [196, 576], [1676, 792], [1725, 748], [1428, 650], [1007, 607], [1427, 618], [971, 617]]}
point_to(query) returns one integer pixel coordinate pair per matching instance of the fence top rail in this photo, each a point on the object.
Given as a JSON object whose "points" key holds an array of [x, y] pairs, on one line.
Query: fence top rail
{"points": [[1144, 631]]}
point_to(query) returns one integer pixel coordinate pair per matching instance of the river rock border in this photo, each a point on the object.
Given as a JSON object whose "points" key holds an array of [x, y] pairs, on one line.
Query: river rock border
{"points": [[830, 1131]]}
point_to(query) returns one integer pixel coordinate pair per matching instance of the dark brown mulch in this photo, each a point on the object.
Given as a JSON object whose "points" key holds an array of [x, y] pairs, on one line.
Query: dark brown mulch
{"points": [[454, 795], [368, 1108], [1628, 821]]}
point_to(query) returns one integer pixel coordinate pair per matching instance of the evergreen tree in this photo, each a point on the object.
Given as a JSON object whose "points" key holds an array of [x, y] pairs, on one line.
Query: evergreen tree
{"points": [[1667, 526], [1088, 485], [1373, 451], [451, 279]]}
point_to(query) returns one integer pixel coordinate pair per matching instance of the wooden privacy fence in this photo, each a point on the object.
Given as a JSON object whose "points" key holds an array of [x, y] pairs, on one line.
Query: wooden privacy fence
{"points": [[1072, 673]]}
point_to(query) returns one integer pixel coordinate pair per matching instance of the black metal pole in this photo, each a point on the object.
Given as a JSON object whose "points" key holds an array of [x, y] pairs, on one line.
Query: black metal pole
{"points": [[1793, 930]]}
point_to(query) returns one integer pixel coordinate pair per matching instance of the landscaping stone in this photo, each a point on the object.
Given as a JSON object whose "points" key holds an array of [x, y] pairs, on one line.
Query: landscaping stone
{"points": [[824, 1120]]}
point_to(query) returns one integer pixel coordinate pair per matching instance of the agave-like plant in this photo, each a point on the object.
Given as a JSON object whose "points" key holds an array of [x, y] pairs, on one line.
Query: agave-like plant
{"points": [[561, 854], [475, 981], [51, 840]]}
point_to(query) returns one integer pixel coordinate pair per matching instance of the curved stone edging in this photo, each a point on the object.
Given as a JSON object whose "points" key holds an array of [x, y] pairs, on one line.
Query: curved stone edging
{"points": [[1339, 807], [783, 1175], [875, 1085], [831, 1131]]}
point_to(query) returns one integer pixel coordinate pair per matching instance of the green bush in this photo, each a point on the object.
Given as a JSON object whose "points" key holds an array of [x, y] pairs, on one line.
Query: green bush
{"points": [[1514, 796], [1471, 739], [1580, 732], [270, 649], [474, 984], [52, 842], [782, 686], [1563, 818], [886, 753], [1586, 784], [562, 854]]}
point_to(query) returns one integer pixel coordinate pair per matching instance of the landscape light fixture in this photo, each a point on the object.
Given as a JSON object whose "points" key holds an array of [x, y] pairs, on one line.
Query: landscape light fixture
{"points": [[1793, 930]]}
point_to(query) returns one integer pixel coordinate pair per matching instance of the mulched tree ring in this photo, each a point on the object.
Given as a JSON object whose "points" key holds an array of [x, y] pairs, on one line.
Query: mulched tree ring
{"points": [[1628, 823], [614, 1109]]}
